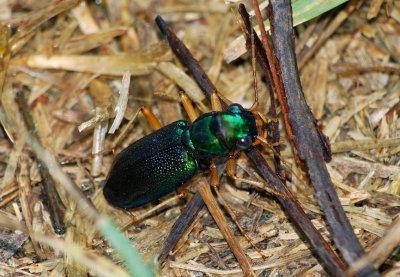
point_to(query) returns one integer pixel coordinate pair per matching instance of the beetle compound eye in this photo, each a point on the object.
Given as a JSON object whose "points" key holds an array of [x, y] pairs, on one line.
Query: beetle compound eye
{"points": [[244, 143]]}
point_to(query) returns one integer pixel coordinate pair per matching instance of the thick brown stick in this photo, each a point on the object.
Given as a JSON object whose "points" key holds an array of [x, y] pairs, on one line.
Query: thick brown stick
{"points": [[305, 139], [178, 229], [198, 74]]}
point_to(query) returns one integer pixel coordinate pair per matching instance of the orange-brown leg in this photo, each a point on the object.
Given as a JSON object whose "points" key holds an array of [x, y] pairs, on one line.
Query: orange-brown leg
{"points": [[215, 102], [214, 174], [148, 115], [151, 118], [188, 106], [231, 172]]}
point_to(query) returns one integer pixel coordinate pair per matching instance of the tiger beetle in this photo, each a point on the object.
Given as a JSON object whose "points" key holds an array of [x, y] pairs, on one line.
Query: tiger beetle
{"points": [[159, 163], [163, 161]]}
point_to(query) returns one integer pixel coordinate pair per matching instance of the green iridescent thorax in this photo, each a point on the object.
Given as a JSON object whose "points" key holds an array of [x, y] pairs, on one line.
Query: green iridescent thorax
{"points": [[217, 133]]}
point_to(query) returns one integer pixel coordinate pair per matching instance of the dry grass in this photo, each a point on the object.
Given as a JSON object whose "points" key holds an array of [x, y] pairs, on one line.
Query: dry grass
{"points": [[70, 67]]}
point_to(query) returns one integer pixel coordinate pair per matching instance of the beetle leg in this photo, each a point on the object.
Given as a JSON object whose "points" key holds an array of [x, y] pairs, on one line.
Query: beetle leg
{"points": [[151, 118], [148, 115], [263, 141], [231, 172], [182, 193], [231, 166], [214, 174], [188, 106], [215, 102], [262, 186]]}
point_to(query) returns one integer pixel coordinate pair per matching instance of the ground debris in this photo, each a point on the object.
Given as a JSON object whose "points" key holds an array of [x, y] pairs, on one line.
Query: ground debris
{"points": [[69, 60]]}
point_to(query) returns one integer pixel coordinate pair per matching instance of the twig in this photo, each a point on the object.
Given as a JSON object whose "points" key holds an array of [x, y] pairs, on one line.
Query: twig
{"points": [[27, 199], [198, 73], [305, 138], [185, 219]]}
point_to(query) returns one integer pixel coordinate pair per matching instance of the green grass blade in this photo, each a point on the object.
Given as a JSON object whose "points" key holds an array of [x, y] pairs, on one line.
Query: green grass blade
{"points": [[305, 10], [127, 252]]}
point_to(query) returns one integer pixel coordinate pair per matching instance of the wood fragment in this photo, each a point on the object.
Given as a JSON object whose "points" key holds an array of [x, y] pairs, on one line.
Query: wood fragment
{"points": [[9, 175], [84, 43], [28, 24], [113, 65], [8, 198], [188, 215], [86, 21], [4, 54], [181, 79]]}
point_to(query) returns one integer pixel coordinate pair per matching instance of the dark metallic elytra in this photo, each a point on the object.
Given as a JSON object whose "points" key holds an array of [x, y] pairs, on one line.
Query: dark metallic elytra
{"points": [[159, 163]]}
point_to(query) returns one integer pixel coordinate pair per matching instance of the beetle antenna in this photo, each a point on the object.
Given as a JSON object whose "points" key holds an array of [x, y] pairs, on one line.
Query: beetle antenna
{"points": [[253, 66]]}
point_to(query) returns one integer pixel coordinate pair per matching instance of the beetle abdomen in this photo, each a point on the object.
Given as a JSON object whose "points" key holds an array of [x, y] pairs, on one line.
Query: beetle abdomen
{"points": [[150, 168]]}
